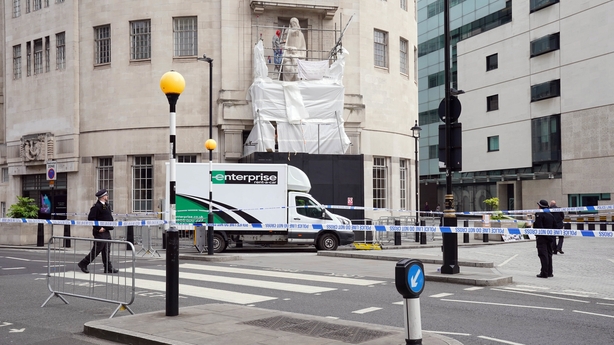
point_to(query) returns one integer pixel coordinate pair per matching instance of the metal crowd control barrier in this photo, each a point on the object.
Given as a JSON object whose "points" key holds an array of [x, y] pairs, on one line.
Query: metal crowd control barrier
{"points": [[147, 246], [64, 277]]}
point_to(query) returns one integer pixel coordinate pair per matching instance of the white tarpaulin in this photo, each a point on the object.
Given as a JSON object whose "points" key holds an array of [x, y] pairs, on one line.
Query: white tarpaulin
{"points": [[308, 113]]}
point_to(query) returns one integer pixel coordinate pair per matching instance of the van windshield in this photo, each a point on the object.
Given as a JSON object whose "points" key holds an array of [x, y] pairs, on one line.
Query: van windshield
{"points": [[307, 208]]}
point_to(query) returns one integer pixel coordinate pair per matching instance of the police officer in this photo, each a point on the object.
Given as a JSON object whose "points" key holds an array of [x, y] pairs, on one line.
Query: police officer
{"points": [[100, 211], [559, 218], [544, 220]]}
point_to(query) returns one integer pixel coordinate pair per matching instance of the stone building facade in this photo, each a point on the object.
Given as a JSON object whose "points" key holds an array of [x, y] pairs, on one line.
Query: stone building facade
{"points": [[81, 90]]}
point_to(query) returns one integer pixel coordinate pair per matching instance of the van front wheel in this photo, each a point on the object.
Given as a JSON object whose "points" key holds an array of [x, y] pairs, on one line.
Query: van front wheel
{"points": [[219, 243], [327, 241]]}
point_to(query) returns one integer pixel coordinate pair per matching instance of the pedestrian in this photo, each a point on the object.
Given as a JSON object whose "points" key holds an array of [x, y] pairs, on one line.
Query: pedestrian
{"points": [[101, 211], [277, 53], [426, 209], [558, 224], [544, 220]]}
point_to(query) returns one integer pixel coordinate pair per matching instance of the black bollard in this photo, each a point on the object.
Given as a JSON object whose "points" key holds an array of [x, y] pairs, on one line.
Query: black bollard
{"points": [[397, 234], [164, 234], [423, 234], [66, 234], [40, 235], [129, 236], [466, 235]]}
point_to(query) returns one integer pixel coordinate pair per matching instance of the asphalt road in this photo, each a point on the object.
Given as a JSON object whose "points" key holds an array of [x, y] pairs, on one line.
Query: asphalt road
{"points": [[530, 311]]}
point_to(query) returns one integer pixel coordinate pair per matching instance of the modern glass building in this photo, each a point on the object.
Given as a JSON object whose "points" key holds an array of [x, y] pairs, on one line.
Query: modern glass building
{"points": [[468, 18]]}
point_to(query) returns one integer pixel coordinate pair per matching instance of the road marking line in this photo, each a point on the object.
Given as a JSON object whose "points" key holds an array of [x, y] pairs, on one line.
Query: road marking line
{"points": [[506, 261], [275, 274], [332, 317], [399, 303], [533, 287], [240, 281], [541, 295], [518, 289], [581, 292], [501, 304], [186, 290], [611, 260], [20, 259], [12, 268], [440, 295], [499, 340], [586, 312], [604, 303], [448, 333], [570, 294], [474, 288], [366, 310]]}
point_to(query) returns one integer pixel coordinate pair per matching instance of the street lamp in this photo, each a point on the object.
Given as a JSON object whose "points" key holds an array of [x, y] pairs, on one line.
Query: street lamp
{"points": [[449, 240], [210, 144], [172, 84], [415, 133]]}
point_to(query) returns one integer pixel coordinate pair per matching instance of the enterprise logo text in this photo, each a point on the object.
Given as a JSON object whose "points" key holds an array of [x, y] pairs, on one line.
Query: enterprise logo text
{"points": [[244, 177]]}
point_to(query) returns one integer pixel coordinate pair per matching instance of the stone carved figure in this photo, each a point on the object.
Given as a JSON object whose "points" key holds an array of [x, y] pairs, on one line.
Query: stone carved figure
{"points": [[295, 48], [296, 39], [34, 148], [290, 71]]}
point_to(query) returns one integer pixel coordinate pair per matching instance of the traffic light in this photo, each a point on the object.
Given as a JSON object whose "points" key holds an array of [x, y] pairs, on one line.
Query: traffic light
{"points": [[455, 145]]}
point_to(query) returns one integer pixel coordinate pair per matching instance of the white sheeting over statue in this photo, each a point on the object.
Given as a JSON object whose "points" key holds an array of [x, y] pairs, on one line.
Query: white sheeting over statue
{"points": [[308, 113]]}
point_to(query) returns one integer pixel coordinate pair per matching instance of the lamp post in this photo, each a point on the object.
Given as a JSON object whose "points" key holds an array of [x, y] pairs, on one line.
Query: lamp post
{"points": [[449, 240], [210, 144], [415, 133], [172, 84]]}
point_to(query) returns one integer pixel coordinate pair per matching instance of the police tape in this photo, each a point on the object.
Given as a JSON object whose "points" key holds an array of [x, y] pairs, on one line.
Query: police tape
{"points": [[410, 228], [318, 227], [362, 208], [144, 222]]}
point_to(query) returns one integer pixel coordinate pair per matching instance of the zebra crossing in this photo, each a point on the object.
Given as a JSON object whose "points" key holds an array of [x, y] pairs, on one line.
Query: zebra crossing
{"points": [[193, 276]]}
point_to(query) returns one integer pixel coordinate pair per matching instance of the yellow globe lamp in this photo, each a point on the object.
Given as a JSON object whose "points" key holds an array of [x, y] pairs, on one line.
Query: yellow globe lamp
{"points": [[172, 82], [210, 144]]}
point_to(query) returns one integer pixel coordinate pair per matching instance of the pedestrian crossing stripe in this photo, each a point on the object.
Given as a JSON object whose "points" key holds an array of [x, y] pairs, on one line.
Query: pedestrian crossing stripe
{"points": [[240, 281], [285, 275], [186, 290]]}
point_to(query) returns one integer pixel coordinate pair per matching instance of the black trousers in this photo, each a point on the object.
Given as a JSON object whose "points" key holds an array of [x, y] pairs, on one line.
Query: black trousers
{"points": [[544, 252], [557, 247], [97, 248]]}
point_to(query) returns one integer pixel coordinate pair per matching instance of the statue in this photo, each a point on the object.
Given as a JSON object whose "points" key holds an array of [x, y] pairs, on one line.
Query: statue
{"points": [[296, 39], [295, 49], [290, 71]]}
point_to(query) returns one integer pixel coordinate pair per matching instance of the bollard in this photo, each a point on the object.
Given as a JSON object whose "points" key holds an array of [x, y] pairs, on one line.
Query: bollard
{"points": [[423, 234], [40, 235], [466, 235], [164, 240], [130, 236], [397, 234], [417, 235], [67, 234], [410, 281], [485, 238]]}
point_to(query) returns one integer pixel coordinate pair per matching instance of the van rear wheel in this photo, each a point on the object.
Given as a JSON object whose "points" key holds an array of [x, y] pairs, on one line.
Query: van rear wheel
{"points": [[327, 241]]}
